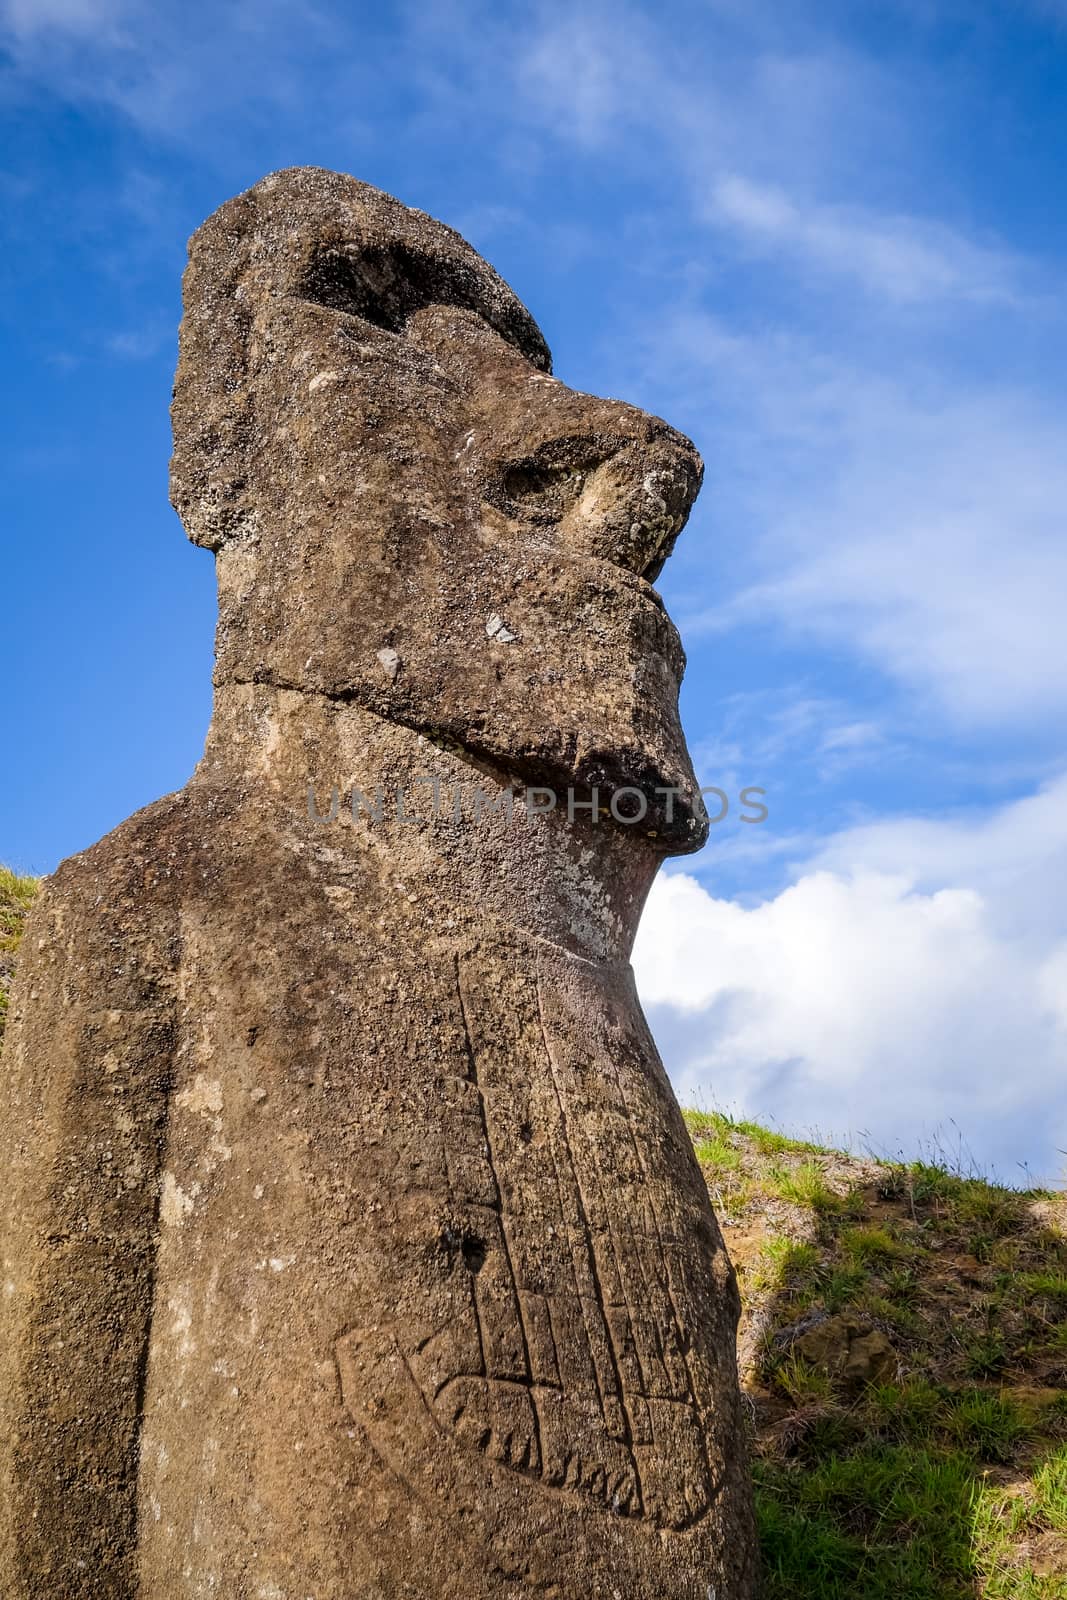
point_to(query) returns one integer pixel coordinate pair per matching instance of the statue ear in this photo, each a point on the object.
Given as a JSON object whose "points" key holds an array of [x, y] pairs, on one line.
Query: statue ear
{"points": [[212, 414]]}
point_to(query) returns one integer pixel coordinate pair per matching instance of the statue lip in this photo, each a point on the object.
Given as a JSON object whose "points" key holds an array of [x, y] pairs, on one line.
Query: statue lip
{"points": [[673, 650], [646, 591], [628, 579]]}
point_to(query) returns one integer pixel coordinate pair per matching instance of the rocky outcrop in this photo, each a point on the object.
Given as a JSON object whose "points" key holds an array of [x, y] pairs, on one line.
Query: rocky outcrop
{"points": [[847, 1349]]}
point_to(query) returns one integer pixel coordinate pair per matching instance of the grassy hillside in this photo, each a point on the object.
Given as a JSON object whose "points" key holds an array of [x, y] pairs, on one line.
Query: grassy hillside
{"points": [[16, 894], [904, 1358]]}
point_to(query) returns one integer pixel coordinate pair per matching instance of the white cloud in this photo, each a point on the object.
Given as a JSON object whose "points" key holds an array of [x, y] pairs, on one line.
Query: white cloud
{"points": [[613, 79], [899, 983], [766, 128], [1015, 857], [907, 259], [588, 78]]}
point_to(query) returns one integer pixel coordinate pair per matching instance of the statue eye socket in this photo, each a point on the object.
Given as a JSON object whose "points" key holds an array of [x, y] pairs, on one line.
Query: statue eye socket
{"points": [[545, 486], [531, 482], [385, 286], [546, 489]]}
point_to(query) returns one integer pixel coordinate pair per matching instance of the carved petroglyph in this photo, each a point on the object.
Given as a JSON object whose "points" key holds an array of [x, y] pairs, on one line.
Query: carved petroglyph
{"points": [[565, 1357]]}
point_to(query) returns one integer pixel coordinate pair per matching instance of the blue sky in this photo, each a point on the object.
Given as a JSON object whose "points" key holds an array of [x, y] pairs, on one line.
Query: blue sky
{"points": [[828, 242]]}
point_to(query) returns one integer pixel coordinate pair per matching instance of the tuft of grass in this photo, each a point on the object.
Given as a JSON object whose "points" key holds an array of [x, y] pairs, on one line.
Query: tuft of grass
{"points": [[16, 897], [769, 1142], [805, 1185], [843, 1286], [804, 1384], [870, 1244], [991, 1211], [985, 1353], [902, 1286], [989, 1425], [930, 1187], [1056, 1340], [882, 1522], [1005, 1523], [717, 1152], [786, 1264], [765, 1141], [706, 1124], [1049, 1287], [881, 1309], [908, 1412], [1050, 1491]]}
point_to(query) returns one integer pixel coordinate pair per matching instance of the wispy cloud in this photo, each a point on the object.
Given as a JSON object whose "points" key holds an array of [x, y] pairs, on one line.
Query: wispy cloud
{"points": [[139, 344], [178, 73], [27, 18], [591, 80], [908, 259]]}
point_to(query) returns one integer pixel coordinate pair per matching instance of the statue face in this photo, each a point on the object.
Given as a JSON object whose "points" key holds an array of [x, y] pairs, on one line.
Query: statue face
{"points": [[411, 513]]}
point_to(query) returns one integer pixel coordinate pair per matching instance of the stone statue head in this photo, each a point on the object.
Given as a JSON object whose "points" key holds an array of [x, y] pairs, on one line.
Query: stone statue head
{"points": [[409, 512]]}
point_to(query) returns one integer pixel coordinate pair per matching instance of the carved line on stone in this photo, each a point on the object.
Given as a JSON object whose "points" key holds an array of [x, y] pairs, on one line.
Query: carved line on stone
{"points": [[635, 1259], [713, 1484], [630, 1399], [624, 1259], [150, 1314], [524, 1333], [428, 1482], [657, 1287], [584, 1214]]}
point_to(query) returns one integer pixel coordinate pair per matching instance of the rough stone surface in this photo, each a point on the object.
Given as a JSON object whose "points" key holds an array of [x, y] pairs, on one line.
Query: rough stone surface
{"points": [[849, 1350], [353, 1247]]}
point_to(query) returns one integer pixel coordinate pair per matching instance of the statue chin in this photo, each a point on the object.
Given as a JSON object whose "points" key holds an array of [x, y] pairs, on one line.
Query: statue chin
{"points": [[562, 671]]}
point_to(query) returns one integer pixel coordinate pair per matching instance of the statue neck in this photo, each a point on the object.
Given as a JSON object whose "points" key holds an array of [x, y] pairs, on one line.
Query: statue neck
{"points": [[436, 825]]}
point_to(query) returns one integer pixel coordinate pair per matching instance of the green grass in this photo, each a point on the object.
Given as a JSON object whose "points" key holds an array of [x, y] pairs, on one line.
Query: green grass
{"points": [[911, 1411], [16, 896], [990, 1426], [882, 1522], [804, 1185], [1003, 1523], [897, 1492], [1050, 1491], [985, 1353], [870, 1243], [715, 1151], [787, 1262], [1050, 1287], [766, 1141]]}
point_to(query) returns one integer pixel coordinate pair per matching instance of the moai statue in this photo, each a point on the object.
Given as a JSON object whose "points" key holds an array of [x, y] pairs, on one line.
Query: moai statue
{"points": [[353, 1247]]}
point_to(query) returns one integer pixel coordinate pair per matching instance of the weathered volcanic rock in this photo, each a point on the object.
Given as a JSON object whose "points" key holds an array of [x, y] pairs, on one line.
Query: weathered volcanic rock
{"points": [[352, 1244]]}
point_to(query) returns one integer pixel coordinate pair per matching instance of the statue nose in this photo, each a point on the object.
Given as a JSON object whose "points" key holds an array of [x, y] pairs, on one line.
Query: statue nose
{"points": [[631, 507], [620, 489]]}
